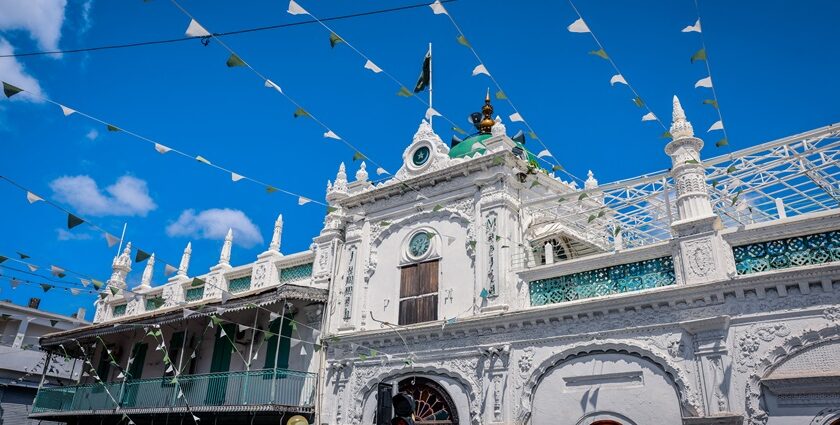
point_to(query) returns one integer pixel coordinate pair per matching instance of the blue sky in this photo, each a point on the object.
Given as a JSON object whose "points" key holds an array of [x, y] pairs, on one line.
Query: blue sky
{"points": [[774, 67]]}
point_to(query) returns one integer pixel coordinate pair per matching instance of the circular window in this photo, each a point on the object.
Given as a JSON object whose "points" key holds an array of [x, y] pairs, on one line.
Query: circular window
{"points": [[420, 156], [419, 244]]}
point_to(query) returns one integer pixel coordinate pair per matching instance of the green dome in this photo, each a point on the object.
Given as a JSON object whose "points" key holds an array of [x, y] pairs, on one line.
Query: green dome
{"points": [[469, 147]]}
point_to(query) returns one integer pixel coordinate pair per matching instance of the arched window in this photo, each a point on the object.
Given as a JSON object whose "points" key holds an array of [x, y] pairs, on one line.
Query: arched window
{"points": [[348, 284], [559, 245], [433, 404]]}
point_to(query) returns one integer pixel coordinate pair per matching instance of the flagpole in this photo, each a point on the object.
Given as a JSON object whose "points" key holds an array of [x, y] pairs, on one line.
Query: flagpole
{"points": [[119, 248], [431, 116]]}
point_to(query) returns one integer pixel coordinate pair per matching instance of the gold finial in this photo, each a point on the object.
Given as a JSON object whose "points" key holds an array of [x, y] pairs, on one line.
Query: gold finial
{"points": [[487, 121]]}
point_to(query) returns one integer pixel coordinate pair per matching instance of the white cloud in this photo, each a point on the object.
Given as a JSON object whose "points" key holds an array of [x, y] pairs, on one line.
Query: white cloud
{"points": [[92, 134], [13, 73], [214, 224], [41, 18], [128, 196], [65, 235]]}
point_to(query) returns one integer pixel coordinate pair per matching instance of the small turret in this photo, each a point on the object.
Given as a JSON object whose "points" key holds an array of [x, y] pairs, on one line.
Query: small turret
{"points": [[146, 280], [362, 174], [120, 267], [591, 182], [224, 256], [276, 236], [338, 190], [185, 260]]}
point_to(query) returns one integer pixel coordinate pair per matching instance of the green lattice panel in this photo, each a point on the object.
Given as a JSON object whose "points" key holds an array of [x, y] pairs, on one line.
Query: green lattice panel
{"points": [[818, 248], [119, 310], [195, 294], [153, 303], [239, 284], [618, 279], [291, 274]]}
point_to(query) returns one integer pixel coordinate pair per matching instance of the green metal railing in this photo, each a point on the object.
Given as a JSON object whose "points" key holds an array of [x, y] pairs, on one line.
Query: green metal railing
{"points": [[784, 253], [246, 388]]}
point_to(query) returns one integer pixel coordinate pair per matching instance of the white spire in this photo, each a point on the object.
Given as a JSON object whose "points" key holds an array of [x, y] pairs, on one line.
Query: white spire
{"points": [[121, 266], [680, 126], [591, 182], [277, 236], [224, 257], [146, 281], [185, 260], [498, 129], [362, 174], [339, 187]]}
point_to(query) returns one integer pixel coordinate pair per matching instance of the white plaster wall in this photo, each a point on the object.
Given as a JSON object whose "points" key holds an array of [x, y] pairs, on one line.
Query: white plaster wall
{"points": [[584, 387], [459, 397]]}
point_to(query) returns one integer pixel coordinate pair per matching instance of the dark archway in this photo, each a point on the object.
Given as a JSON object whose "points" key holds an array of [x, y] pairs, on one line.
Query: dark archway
{"points": [[434, 405]]}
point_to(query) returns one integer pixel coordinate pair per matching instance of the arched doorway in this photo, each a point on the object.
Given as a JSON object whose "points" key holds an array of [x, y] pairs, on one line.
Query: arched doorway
{"points": [[434, 405]]}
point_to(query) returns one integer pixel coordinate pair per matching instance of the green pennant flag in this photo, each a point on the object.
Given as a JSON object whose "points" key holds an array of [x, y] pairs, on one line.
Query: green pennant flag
{"points": [[463, 41], [215, 320], [437, 208], [141, 256], [591, 218], [601, 213], [638, 101], [46, 287], [532, 135], [2, 258], [300, 112], [500, 95], [335, 39], [735, 198], [10, 90], [722, 142], [293, 325], [404, 92], [700, 55], [97, 283], [234, 60], [363, 357], [498, 238], [271, 189], [534, 183], [731, 169], [617, 230], [53, 323], [712, 102], [692, 161], [600, 53], [472, 244], [714, 183], [498, 160], [557, 168], [317, 347], [583, 196], [561, 200], [358, 155], [114, 290], [102, 295], [22, 255], [331, 210], [73, 221], [112, 127], [197, 282], [157, 302], [384, 223], [458, 130], [666, 135]]}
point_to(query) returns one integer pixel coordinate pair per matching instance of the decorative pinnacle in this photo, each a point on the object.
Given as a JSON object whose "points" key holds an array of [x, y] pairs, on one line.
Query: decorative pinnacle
{"points": [[146, 280], [680, 126], [185, 260], [487, 122], [277, 234], [224, 257]]}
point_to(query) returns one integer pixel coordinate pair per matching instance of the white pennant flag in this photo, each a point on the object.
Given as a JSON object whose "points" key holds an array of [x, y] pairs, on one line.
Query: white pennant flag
{"points": [[544, 153], [32, 267], [121, 376], [14, 283], [716, 126], [372, 66], [273, 316], [256, 355], [438, 9], [188, 312], [303, 201], [516, 117], [196, 30], [704, 82], [242, 328], [196, 418], [225, 296], [480, 69], [67, 111], [380, 171], [649, 117], [578, 26], [168, 270], [85, 282], [295, 9], [693, 28], [169, 369], [162, 149], [180, 393], [56, 271], [331, 135], [302, 350], [33, 198], [236, 177], [111, 239], [270, 84], [450, 240], [222, 331], [431, 112], [617, 78]]}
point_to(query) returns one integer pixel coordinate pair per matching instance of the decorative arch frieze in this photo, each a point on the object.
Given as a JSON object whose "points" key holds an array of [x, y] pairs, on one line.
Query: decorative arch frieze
{"points": [[755, 409], [689, 400]]}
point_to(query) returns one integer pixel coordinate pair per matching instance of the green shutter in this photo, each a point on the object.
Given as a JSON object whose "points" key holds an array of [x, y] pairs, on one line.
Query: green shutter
{"points": [[285, 344], [138, 353]]}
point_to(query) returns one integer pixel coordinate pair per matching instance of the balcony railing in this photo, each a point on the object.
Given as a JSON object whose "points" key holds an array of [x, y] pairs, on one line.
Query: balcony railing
{"points": [[277, 387]]}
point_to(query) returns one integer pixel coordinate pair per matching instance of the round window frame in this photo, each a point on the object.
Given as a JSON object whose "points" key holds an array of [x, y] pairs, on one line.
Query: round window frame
{"points": [[431, 252], [409, 160]]}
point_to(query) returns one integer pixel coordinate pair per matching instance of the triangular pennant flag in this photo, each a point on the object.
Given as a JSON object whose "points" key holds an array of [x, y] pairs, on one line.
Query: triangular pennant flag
{"points": [[532, 135], [335, 39], [404, 92], [331, 209], [75, 291], [437, 208], [67, 111], [112, 127], [236, 177], [544, 153], [463, 41], [300, 112], [578, 26], [516, 117], [718, 125], [431, 112], [161, 148], [14, 283], [372, 66], [480, 69], [141, 256], [85, 282], [242, 328], [73, 221], [459, 130], [196, 30], [168, 270], [46, 287], [10, 90], [380, 171], [722, 142], [33, 198], [704, 82], [57, 271], [601, 53], [111, 239], [22, 255], [712, 102], [331, 135], [484, 294], [32, 267], [222, 332], [270, 84], [53, 323], [234, 60], [500, 95], [700, 55], [273, 316], [225, 296], [196, 282], [638, 101], [649, 117], [438, 8], [617, 78], [303, 201], [358, 155], [203, 160], [295, 9], [271, 189], [121, 376], [3, 258], [97, 283], [693, 28], [666, 135], [114, 290]]}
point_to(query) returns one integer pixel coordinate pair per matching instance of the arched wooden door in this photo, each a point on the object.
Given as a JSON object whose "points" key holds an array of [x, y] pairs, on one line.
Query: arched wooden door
{"points": [[433, 404]]}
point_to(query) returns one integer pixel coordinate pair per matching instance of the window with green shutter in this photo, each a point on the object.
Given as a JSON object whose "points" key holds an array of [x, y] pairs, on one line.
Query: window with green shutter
{"points": [[119, 310], [239, 284], [195, 294], [284, 344]]}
